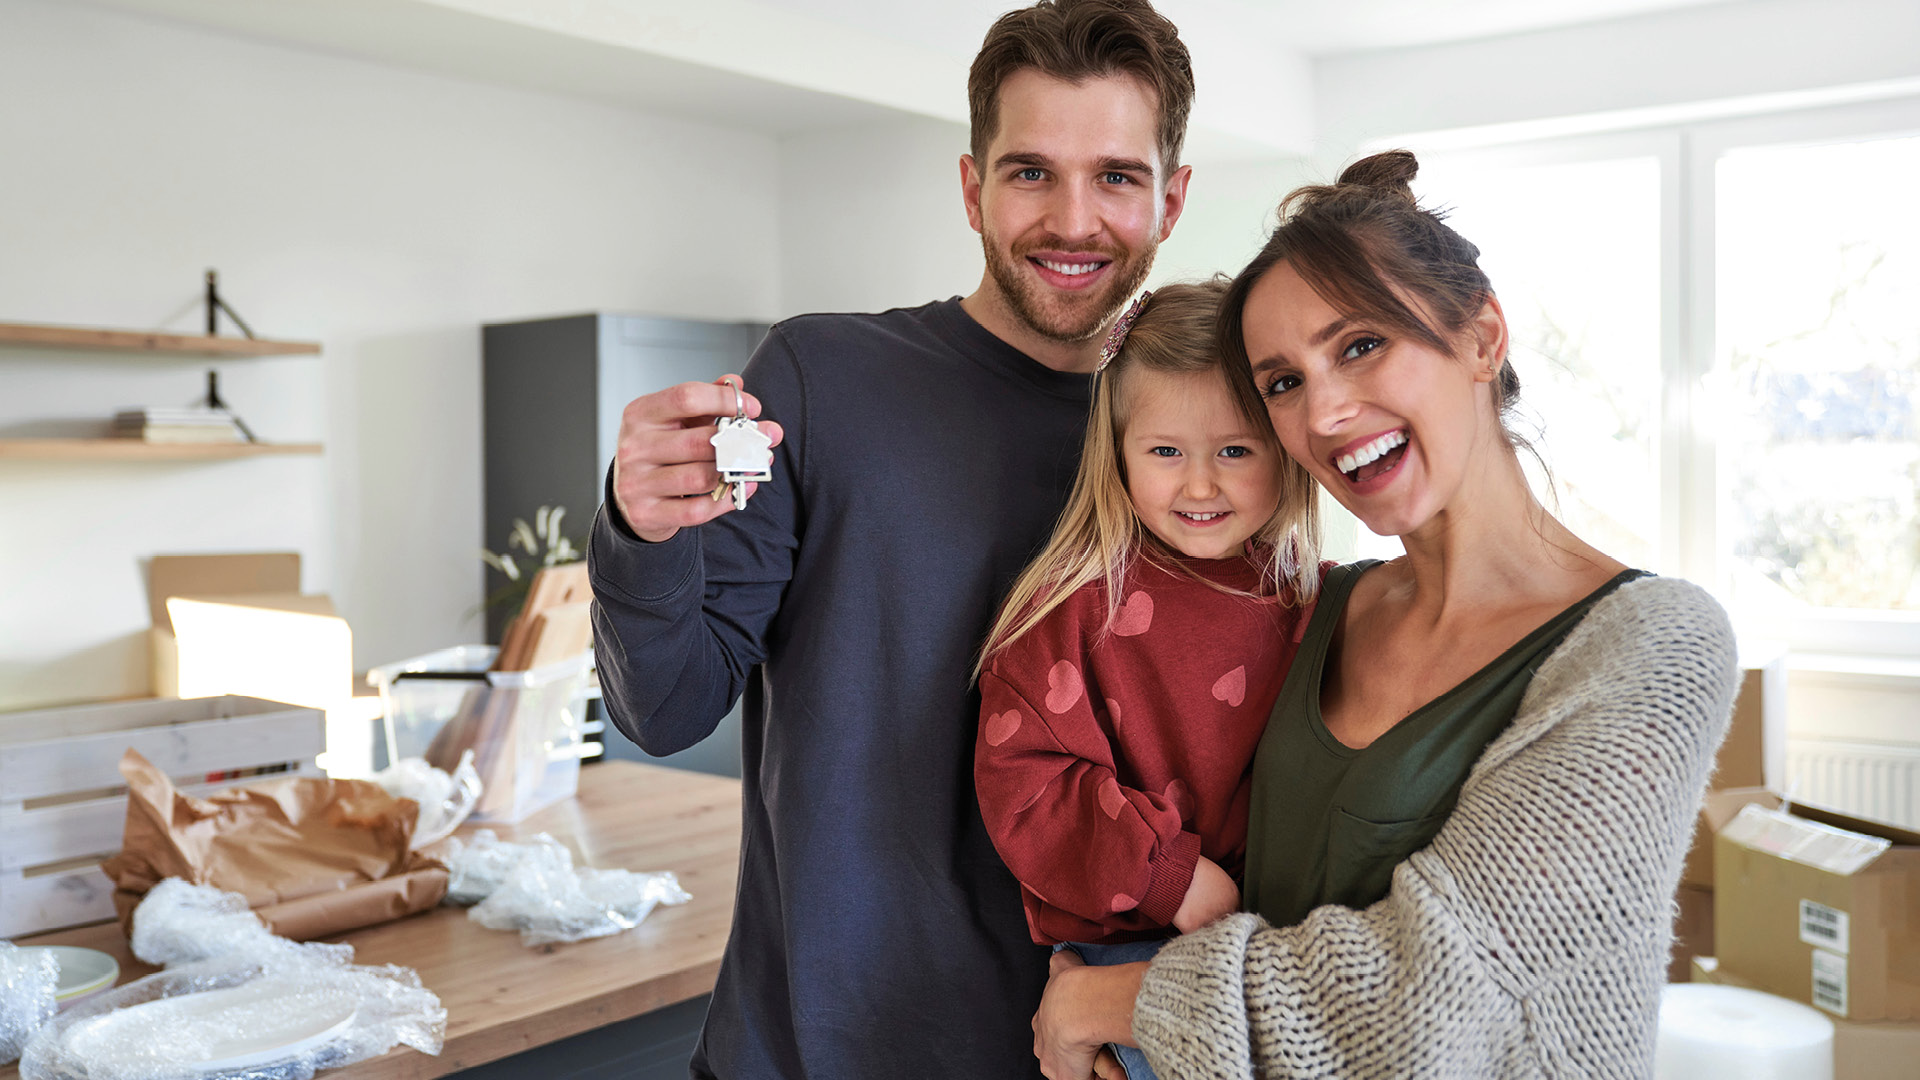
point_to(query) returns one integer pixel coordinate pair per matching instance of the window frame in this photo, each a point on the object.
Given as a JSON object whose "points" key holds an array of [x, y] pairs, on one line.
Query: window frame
{"points": [[1690, 542]]}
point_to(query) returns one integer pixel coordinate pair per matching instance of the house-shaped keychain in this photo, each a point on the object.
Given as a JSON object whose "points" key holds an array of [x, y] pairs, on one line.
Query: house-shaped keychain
{"points": [[742, 453]]}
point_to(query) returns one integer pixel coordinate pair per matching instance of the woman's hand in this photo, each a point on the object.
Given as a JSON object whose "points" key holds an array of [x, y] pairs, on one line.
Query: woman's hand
{"points": [[1084, 1009]]}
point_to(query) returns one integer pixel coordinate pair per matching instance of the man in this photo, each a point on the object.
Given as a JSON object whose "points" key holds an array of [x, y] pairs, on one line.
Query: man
{"points": [[926, 453]]}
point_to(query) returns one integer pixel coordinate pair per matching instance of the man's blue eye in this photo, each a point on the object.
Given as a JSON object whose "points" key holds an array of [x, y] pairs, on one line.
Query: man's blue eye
{"points": [[1029, 175], [1118, 178]]}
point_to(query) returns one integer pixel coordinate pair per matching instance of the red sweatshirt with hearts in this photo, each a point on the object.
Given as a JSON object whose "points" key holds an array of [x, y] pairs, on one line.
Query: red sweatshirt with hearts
{"points": [[1111, 758]]}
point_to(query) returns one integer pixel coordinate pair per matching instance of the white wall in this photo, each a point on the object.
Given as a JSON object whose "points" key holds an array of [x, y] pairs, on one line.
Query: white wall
{"points": [[1690, 55], [871, 217], [383, 213]]}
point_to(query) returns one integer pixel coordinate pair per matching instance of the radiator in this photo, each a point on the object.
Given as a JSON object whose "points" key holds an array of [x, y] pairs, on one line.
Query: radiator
{"points": [[1877, 781]]}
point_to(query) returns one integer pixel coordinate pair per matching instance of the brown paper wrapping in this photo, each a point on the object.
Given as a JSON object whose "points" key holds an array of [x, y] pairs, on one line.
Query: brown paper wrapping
{"points": [[313, 857]]}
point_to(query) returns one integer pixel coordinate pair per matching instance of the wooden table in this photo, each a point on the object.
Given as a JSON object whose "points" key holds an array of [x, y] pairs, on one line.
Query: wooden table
{"points": [[503, 997]]}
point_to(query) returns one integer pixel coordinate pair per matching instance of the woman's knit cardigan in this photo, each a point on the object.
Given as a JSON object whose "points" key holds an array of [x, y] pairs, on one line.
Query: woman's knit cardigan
{"points": [[1531, 938]]}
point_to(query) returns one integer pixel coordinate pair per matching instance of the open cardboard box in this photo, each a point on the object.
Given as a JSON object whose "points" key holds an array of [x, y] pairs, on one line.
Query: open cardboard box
{"points": [[238, 624], [1754, 753], [1816, 906], [1884, 1050]]}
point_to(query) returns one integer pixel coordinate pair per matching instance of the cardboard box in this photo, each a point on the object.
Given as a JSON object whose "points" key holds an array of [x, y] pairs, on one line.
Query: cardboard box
{"points": [[1718, 809], [1754, 754], [1821, 908], [1861, 1050], [238, 624], [1692, 931]]}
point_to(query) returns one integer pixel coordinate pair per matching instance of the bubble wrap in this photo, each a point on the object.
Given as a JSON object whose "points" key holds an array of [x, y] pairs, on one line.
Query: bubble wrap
{"points": [[476, 867], [179, 923], [445, 799], [535, 889], [27, 984], [104, 1038]]}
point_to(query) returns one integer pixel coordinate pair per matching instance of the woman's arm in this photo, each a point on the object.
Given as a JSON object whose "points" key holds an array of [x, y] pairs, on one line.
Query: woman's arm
{"points": [[1534, 930]]}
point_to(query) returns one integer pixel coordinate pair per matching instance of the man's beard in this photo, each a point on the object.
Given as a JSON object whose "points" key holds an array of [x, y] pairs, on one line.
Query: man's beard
{"points": [[1068, 319]]}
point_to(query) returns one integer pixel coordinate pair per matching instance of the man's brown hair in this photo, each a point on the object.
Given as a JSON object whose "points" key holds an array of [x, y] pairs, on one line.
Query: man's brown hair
{"points": [[1076, 40]]}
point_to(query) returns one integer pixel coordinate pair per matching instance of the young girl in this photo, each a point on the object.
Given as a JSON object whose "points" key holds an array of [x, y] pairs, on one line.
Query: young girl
{"points": [[1127, 680]]}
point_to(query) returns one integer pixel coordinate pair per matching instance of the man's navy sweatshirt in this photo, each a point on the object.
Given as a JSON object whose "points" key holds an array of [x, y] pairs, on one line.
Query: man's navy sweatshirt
{"points": [[876, 933]]}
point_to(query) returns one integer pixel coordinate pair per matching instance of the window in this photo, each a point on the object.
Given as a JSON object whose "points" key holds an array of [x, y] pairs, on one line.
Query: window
{"points": [[1582, 299], [1817, 330], [1718, 342]]}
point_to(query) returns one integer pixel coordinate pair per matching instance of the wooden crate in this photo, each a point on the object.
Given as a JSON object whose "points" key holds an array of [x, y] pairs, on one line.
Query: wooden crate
{"points": [[63, 804]]}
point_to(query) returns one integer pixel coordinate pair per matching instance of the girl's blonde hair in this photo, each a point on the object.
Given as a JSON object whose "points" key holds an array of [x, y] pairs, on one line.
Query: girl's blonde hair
{"points": [[1098, 534]]}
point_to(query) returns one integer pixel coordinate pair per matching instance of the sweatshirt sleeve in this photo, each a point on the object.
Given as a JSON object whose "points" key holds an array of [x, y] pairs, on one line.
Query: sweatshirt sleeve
{"points": [[1044, 769], [1534, 931], [678, 625]]}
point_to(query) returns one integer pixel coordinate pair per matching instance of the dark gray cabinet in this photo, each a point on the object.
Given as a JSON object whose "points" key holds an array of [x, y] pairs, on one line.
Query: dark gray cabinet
{"points": [[553, 392]]}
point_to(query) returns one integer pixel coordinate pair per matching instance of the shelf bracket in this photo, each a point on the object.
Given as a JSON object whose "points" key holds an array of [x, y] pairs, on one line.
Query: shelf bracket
{"points": [[214, 403], [215, 306]]}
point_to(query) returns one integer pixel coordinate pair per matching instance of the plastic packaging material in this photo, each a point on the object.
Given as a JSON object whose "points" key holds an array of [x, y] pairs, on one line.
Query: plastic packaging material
{"points": [[281, 1016], [526, 728], [27, 982], [534, 888], [445, 799], [179, 923], [478, 866]]}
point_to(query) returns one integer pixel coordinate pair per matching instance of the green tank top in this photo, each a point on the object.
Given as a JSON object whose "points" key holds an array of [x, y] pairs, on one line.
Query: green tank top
{"points": [[1329, 823]]}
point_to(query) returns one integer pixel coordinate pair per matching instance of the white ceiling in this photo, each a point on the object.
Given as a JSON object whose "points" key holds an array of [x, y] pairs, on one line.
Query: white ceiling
{"points": [[1310, 27], [783, 66]]}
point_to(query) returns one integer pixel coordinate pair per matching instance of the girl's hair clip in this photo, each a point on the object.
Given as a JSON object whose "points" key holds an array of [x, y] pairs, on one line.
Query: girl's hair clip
{"points": [[1118, 335]]}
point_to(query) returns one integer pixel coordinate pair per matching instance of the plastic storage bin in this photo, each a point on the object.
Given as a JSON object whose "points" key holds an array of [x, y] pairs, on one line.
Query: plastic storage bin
{"points": [[525, 728]]}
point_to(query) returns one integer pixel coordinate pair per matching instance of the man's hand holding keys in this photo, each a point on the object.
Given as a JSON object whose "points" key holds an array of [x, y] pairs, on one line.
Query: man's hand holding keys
{"points": [[663, 467]]}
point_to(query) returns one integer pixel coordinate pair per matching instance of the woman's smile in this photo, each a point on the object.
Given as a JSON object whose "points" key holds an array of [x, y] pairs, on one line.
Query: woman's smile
{"points": [[1368, 463]]}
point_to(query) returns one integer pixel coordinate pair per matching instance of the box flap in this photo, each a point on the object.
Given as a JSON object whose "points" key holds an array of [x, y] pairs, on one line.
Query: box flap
{"points": [[1899, 836], [1721, 806], [218, 575], [1718, 809], [314, 604], [1811, 843]]}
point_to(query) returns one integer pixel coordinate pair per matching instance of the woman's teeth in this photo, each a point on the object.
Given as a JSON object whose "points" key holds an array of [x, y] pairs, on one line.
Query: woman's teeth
{"points": [[1371, 452]]}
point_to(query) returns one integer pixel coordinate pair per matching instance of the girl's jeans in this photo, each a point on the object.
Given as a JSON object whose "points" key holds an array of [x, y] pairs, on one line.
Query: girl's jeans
{"points": [[1131, 1059]]}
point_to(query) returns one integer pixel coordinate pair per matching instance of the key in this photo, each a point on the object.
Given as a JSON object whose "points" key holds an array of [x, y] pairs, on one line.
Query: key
{"points": [[742, 453]]}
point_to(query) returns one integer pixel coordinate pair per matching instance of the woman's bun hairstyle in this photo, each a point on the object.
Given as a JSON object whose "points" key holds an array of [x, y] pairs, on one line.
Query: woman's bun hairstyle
{"points": [[1365, 244], [1391, 171]]}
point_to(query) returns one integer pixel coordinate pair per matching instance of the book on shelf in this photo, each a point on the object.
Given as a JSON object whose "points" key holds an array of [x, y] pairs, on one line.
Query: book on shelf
{"points": [[164, 425]]}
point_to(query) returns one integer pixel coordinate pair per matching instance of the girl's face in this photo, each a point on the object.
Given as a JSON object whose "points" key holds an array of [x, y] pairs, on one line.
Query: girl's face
{"points": [[1393, 427], [1200, 479]]}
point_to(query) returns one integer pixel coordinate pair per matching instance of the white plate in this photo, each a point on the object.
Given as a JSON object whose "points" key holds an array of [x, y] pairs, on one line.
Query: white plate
{"points": [[213, 1031], [82, 971]]}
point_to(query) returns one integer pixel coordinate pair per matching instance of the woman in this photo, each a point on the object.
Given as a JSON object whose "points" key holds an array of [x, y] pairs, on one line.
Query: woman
{"points": [[1477, 787]]}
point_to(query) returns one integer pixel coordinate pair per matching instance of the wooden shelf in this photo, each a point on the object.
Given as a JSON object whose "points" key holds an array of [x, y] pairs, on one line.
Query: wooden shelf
{"points": [[140, 341], [136, 450]]}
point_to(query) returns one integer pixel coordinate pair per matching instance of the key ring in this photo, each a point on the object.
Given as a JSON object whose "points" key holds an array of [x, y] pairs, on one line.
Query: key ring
{"points": [[739, 399]]}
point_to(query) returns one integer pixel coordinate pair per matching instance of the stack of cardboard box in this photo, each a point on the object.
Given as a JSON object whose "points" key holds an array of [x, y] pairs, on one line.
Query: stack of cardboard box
{"points": [[1824, 909], [1753, 756]]}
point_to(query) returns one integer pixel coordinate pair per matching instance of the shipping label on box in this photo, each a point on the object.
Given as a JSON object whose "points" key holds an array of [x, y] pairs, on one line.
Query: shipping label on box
{"points": [[1821, 908]]}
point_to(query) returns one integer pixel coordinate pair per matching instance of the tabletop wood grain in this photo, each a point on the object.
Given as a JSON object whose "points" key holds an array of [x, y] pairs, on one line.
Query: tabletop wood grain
{"points": [[503, 997]]}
